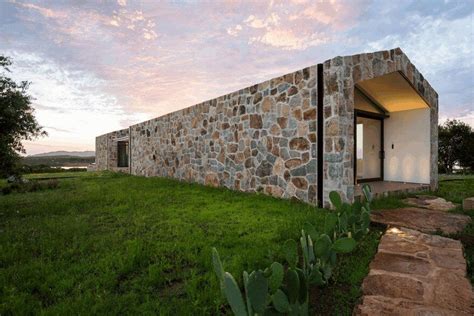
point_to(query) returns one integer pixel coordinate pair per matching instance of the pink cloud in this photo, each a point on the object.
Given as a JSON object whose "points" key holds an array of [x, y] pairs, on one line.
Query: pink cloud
{"points": [[152, 58], [158, 58], [272, 20], [83, 24], [302, 25], [46, 12], [289, 40]]}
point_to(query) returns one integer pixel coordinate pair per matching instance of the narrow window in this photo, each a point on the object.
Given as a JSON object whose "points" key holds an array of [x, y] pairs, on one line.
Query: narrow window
{"points": [[122, 154]]}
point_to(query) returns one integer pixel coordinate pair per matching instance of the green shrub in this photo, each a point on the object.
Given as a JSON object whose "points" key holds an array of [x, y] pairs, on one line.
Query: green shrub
{"points": [[7, 190], [30, 186]]}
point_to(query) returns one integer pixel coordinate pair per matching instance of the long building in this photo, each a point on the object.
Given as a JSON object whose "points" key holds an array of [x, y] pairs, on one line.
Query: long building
{"points": [[370, 117]]}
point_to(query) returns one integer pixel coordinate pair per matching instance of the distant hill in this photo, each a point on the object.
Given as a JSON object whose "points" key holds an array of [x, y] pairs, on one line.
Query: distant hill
{"points": [[60, 159], [66, 153]]}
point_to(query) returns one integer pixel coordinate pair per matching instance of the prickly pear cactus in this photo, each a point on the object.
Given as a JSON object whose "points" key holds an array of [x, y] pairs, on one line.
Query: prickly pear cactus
{"points": [[274, 290]]}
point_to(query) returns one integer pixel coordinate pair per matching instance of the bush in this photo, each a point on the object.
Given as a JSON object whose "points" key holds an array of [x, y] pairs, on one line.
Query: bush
{"points": [[52, 184], [30, 186], [25, 169], [6, 190]]}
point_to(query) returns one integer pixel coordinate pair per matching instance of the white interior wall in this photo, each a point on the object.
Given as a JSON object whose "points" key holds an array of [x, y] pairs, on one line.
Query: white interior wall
{"points": [[409, 159]]}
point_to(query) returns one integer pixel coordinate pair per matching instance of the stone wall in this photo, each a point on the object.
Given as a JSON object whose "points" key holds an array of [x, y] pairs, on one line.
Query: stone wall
{"points": [[106, 150], [264, 137], [261, 138], [341, 74], [101, 152]]}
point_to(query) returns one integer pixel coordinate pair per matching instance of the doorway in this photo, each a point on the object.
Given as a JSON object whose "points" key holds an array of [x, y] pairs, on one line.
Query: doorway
{"points": [[369, 149]]}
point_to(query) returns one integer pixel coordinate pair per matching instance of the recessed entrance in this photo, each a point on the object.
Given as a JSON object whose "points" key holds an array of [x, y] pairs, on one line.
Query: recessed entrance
{"points": [[368, 138], [369, 148], [388, 110]]}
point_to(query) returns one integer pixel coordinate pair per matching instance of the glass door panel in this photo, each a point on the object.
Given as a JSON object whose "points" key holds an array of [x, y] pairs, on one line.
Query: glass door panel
{"points": [[368, 149]]}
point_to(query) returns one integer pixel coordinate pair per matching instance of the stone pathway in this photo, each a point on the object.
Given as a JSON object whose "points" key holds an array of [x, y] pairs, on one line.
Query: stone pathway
{"points": [[468, 203], [425, 220], [414, 273], [430, 202]]}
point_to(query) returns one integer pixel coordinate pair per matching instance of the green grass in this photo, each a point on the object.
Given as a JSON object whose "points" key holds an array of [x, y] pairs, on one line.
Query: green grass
{"points": [[389, 202], [106, 243], [116, 244], [64, 174], [456, 189], [344, 291], [58, 175]]}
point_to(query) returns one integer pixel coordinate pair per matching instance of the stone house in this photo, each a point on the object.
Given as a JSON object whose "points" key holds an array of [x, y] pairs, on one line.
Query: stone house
{"points": [[353, 119]]}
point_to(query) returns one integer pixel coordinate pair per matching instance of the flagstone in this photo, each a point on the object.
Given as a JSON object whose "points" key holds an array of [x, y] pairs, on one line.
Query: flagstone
{"points": [[427, 277], [425, 220], [430, 202]]}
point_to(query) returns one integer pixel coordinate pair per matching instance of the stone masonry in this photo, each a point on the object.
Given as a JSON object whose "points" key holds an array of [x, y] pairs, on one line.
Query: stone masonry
{"points": [[264, 138], [106, 150], [261, 138], [341, 74]]}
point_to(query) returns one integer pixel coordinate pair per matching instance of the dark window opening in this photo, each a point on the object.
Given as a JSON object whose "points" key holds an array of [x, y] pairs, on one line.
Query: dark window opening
{"points": [[122, 154]]}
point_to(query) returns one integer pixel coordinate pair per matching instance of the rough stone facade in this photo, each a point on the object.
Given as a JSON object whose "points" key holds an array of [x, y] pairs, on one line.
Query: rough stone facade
{"points": [[106, 150], [341, 74], [265, 137], [261, 138]]}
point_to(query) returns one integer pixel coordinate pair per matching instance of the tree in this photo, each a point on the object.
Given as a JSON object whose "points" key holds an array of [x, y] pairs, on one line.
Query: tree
{"points": [[466, 159], [456, 145], [17, 120]]}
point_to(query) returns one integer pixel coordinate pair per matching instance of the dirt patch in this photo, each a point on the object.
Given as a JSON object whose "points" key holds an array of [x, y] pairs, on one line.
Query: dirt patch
{"points": [[327, 300]]}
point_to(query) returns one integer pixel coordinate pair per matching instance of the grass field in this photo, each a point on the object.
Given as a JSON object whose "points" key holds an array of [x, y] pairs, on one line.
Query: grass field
{"points": [[108, 243], [105, 243]]}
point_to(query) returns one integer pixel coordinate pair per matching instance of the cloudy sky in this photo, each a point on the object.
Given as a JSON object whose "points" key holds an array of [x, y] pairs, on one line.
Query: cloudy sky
{"points": [[97, 66]]}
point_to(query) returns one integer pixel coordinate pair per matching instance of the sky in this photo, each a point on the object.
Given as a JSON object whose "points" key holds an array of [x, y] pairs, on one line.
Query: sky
{"points": [[98, 66]]}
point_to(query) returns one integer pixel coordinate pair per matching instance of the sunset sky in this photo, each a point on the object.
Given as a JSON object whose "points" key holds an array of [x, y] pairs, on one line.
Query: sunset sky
{"points": [[97, 66]]}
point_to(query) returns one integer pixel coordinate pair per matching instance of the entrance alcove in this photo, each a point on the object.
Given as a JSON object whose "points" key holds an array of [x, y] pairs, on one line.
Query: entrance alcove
{"points": [[391, 135]]}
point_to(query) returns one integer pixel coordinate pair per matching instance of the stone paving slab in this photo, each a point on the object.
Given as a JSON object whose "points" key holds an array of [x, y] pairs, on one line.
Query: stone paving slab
{"points": [[430, 202], [468, 204], [424, 220], [414, 273]]}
